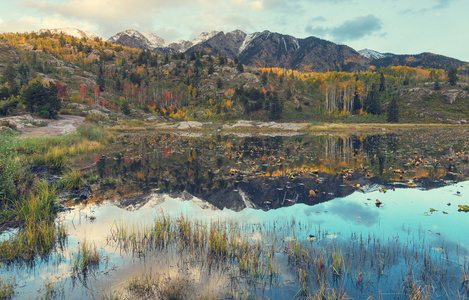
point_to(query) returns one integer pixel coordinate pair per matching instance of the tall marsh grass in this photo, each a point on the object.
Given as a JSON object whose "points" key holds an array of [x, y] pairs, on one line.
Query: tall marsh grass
{"points": [[324, 267], [6, 289], [87, 257], [37, 234]]}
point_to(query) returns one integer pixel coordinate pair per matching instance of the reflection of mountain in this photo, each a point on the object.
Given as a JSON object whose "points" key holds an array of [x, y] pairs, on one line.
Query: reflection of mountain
{"points": [[272, 172], [271, 193]]}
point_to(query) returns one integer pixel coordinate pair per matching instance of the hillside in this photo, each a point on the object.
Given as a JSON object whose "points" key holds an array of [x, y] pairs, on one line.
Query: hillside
{"points": [[89, 77], [275, 50]]}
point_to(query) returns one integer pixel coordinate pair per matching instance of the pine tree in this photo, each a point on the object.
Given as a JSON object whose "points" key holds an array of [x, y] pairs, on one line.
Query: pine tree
{"points": [[240, 67], [100, 79], [392, 113], [372, 101], [382, 83], [357, 105], [452, 75]]}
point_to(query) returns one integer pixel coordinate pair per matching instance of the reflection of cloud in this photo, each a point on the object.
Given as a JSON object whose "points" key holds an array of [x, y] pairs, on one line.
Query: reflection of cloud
{"points": [[354, 211], [349, 30]]}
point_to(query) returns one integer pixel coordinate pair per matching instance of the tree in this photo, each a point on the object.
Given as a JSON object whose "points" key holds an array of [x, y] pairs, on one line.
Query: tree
{"points": [[219, 83], [211, 69], [125, 108], [452, 75], [275, 108], [41, 99], [436, 85], [357, 105], [392, 113], [372, 102], [9, 73], [382, 82], [100, 79], [240, 67], [264, 78], [4, 93], [61, 90]]}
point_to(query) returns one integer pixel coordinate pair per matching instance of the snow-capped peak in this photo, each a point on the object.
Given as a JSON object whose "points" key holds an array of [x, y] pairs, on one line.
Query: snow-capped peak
{"points": [[247, 40], [204, 36], [149, 39], [75, 32], [374, 54]]}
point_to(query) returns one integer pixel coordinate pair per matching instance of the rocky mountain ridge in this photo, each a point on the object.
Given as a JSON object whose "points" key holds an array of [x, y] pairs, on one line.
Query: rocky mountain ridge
{"points": [[374, 54], [270, 49]]}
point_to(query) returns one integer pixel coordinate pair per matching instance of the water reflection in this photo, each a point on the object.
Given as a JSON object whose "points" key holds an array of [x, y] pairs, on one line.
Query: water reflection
{"points": [[266, 172]]}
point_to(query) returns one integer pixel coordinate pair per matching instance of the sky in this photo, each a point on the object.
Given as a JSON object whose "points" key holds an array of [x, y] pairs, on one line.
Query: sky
{"points": [[396, 26]]}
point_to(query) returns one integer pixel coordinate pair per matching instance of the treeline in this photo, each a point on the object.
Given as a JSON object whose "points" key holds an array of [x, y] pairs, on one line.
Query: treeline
{"points": [[188, 86]]}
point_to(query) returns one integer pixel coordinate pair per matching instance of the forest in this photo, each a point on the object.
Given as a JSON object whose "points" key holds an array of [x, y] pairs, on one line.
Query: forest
{"points": [[42, 73]]}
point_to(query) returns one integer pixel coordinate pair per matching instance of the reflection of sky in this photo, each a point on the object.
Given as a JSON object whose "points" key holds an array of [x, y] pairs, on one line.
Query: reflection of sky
{"points": [[402, 214]]}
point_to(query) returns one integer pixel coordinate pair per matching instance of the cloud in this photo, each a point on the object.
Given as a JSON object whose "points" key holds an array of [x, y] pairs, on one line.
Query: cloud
{"points": [[350, 30], [27, 23], [437, 5]]}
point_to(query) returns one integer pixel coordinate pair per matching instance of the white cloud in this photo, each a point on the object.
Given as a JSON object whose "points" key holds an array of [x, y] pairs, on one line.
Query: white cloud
{"points": [[27, 23]]}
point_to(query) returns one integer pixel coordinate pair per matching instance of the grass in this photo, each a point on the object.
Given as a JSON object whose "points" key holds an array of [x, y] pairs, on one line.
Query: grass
{"points": [[87, 258], [6, 289], [155, 286], [28, 204], [323, 268], [37, 234], [73, 180]]}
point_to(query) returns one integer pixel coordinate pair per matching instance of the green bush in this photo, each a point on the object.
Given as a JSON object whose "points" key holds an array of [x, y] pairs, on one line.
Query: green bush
{"points": [[91, 132]]}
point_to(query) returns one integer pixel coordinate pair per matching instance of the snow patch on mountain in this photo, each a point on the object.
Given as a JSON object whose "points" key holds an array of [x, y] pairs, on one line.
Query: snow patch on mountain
{"points": [[152, 41], [75, 32], [374, 54], [247, 40], [204, 36]]}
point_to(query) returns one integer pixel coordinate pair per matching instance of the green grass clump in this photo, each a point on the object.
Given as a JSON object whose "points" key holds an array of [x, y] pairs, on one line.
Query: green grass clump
{"points": [[154, 287], [53, 160], [37, 233], [73, 180], [86, 258], [6, 289], [91, 132]]}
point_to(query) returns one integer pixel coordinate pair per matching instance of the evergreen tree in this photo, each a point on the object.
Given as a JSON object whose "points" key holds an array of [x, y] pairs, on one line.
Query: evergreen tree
{"points": [[357, 105], [452, 75], [240, 67], [382, 82], [406, 80], [264, 78], [4, 93], [275, 108], [372, 101], [125, 108], [219, 83], [436, 85], [9, 73], [100, 79], [392, 113], [211, 69], [41, 99]]}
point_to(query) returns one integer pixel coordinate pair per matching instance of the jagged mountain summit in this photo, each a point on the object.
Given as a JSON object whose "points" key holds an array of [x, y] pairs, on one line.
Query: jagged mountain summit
{"points": [[374, 54], [78, 33], [257, 49], [152, 42], [270, 49]]}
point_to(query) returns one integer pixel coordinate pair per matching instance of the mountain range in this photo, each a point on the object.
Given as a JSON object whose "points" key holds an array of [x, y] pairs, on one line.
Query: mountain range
{"points": [[270, 49]]}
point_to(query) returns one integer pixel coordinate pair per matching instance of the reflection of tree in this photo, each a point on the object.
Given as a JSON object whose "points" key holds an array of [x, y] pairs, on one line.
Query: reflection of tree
{"points": [[202, 166]]}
